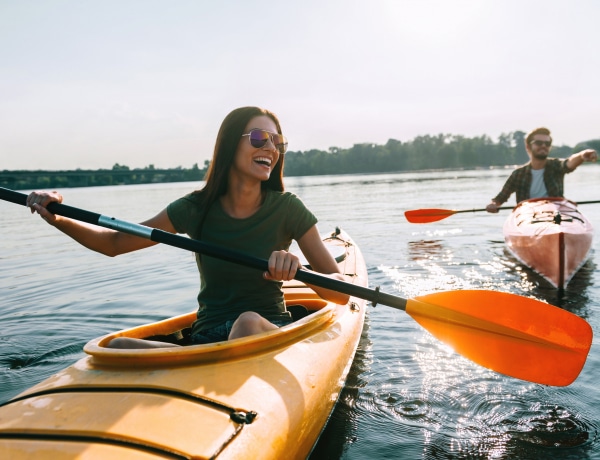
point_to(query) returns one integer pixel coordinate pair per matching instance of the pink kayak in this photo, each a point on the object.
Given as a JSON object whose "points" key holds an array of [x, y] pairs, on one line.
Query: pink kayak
{"points": [[550, 236]]}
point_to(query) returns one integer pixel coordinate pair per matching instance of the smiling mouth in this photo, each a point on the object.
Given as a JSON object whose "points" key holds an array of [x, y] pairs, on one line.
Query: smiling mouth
{"points": [[263, 161]]}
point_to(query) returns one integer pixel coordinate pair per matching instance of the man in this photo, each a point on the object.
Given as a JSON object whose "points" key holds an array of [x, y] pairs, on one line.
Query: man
{"points": [[542, 176]]}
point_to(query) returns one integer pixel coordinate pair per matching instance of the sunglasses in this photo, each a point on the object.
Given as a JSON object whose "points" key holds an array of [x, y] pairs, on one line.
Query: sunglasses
{"points": [[259, 138], [539, 143]]}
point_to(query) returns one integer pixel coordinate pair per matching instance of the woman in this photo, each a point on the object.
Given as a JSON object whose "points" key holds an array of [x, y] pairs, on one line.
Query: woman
{"points": [[242, 206]]}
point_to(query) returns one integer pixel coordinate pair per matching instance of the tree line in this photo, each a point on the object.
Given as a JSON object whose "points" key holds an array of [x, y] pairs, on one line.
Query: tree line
{"points": [[444, 151], [118, 175]]}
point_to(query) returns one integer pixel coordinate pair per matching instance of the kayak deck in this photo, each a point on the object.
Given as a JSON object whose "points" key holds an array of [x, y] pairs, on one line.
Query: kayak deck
{"points": [[550, 236], [264, 396]]}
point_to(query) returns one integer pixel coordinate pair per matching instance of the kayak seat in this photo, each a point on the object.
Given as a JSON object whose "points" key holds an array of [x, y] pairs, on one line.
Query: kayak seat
{"points": [[297, 311], [303, 307]]}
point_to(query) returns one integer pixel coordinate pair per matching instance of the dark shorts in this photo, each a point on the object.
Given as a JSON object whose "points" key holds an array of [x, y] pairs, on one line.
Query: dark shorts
{"points": [[221, 333]]}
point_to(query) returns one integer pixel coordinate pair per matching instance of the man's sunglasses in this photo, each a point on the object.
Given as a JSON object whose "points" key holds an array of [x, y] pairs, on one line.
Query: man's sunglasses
{"points": [[259, 138], [539, 143]]}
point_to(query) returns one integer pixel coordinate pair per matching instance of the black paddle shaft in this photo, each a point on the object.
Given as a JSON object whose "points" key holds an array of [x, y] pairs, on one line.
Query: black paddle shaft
{"points": [[211, 250], [512, 207]]}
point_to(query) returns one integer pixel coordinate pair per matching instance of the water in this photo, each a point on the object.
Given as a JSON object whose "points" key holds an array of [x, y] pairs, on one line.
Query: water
{"points": [[408, 395]]}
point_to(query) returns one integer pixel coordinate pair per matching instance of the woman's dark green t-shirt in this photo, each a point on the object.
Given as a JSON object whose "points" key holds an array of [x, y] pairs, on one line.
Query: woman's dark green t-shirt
{"points": [[228, 289]]}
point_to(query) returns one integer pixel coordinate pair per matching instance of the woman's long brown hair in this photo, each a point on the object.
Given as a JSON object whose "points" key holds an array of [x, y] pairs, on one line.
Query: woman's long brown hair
{"points": [[228, 139]]}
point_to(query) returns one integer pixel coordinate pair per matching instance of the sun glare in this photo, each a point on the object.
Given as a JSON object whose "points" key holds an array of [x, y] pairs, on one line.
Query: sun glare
{"points": [[433, 21]]}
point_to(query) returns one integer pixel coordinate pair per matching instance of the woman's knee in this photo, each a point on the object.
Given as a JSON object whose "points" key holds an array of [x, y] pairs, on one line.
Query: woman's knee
{"points": [[249, 323], [249, 318]]}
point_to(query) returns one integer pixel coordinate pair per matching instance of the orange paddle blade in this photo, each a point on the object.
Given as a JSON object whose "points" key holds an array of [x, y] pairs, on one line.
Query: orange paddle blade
{"points": [[513, 335], [425, 216]]}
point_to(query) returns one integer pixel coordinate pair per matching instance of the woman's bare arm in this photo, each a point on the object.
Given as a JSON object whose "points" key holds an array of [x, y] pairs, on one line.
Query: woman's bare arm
{"points": [[105, 241]]}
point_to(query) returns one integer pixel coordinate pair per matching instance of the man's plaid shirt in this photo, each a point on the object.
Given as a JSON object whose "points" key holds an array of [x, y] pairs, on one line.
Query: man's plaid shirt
{"points": [[520, 180]]}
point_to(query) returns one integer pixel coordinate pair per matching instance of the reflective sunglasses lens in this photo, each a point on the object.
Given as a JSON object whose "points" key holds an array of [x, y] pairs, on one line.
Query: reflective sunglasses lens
{"points": [[280, 142], [258, 138], [282, 146]]}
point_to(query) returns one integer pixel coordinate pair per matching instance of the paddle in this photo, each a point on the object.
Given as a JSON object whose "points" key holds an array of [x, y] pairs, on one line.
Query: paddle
{"points": [[510, 334], [426, 216]]}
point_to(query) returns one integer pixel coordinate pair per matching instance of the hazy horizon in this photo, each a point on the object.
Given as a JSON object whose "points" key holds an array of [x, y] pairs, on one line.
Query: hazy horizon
{"points": [[200, 165]]}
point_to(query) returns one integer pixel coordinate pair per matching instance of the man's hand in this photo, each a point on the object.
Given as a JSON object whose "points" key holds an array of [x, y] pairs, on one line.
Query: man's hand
{"points": [[492, 207], [589, 155]]}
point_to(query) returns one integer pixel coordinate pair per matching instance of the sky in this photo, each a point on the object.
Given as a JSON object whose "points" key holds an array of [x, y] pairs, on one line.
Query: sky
{"points": [[87, 84]]}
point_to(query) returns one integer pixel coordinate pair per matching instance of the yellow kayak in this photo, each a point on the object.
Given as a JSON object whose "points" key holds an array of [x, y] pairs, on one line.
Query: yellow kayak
{"points": [[267, 396]]}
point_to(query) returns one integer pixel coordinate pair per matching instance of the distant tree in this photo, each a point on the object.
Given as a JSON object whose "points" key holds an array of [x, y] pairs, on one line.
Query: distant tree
{"points": [[506, 140], [521, 154]]}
